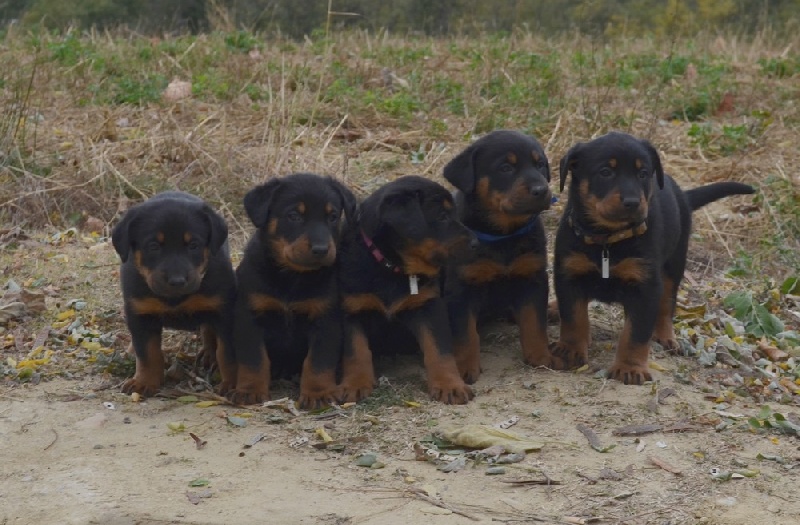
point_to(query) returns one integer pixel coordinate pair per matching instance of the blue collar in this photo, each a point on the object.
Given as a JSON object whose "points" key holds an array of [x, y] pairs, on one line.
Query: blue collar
{"points": [[490, 238]]}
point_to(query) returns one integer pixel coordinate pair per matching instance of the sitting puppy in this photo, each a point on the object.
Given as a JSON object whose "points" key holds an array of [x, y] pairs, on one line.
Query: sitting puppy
{"points": [[502, 182], [390, 270], [176, 273], [623, 238], [288, 319]]}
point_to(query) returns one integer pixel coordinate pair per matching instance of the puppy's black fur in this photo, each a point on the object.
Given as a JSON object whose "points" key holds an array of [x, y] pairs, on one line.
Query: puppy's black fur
{"points": [[176, 273], [392, 260], [502, 182], [623, 208], [288, 318]]}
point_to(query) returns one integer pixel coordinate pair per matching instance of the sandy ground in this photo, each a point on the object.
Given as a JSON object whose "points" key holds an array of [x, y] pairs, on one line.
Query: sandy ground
{"points": [[65, 457]]}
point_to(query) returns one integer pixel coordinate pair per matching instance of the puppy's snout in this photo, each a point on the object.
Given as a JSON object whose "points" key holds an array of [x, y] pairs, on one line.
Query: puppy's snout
{"points": [[538, 190], [177, 281], [630, 203], [320, 249]]}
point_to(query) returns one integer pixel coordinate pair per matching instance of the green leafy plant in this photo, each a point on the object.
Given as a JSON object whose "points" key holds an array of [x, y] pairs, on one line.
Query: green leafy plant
{"points": [[757, 319], [768, 420]]}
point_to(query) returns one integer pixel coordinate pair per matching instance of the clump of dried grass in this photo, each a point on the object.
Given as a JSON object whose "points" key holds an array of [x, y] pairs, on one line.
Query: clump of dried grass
{"points": [[90, 159]]}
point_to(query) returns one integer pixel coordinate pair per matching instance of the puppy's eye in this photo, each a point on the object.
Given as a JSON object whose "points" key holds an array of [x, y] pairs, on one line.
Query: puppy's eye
{"points": [[643, 174], [153, 247], [444, 216], [294, 216], [193, 245], [606, 172], [333, 217], [506, 168]]}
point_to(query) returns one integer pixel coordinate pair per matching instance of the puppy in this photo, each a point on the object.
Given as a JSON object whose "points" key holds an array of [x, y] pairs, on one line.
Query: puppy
{"points": [[502, 187], [288, 318], [623, 238], [392, 259], [176, 273]]}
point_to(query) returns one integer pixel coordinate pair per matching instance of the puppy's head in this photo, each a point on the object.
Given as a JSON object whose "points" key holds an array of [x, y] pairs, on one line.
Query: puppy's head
{"points": [[171, 238], [613, 179], [300, 219], [416, 218], [505, 174]]}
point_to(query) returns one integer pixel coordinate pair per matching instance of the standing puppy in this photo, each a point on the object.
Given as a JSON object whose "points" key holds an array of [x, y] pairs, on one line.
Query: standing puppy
{"points": [[623, 238], [176, 273], [502, 182], [392, 259], [288, 318]]}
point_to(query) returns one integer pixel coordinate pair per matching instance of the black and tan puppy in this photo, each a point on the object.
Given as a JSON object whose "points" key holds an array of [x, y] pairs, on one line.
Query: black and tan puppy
{"points": [[176, 273], [623, 238], [288, 319], [502, 182], [390, 273]]}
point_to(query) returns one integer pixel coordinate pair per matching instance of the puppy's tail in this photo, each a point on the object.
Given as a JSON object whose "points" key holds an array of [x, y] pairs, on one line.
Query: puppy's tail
{"points": [[699, 197]]}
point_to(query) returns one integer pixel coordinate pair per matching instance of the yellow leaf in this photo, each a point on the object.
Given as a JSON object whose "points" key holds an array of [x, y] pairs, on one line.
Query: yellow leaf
{"points": [[323, 434], [33, 363], [774, 440], [412, 404], [582, 369], [656, 366], [92, 346], [67, 314], [243, 414], [206, 404]]}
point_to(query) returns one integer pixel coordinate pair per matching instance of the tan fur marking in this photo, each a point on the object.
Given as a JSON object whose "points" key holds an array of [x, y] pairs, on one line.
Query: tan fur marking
{"points": [[259, 302], [417, 259], [187, 237], [511, 157], [358, 374], [444, 381], [638, 163], [301, 207], [160, 237], [630, 363], [193, 304], [527, 265], [632, 269], [365, 302], [252, 384], [467, 352], [272, 226], [533, 338], [535, 156], [149, 373], [664, 332], [612, 162], [576, 264], [317, 388]]}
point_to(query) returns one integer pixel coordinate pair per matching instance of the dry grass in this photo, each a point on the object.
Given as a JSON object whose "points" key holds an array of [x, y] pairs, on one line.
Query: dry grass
{"points": [[91, 131]]}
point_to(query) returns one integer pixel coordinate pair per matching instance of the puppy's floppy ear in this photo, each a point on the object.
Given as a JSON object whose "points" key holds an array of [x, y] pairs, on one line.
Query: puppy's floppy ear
{"points": [[257, 202], [655, 158], [401, 209], [347, 197], [218, 228], [566, 164], [460, 171], [124, 232]]}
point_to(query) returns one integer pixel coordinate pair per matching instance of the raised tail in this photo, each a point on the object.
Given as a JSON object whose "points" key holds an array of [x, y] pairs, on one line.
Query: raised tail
{"points": [[699, 197]]}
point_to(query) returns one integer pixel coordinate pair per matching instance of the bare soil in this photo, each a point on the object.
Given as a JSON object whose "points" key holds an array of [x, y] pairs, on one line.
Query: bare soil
{"points": [[69, 457]]}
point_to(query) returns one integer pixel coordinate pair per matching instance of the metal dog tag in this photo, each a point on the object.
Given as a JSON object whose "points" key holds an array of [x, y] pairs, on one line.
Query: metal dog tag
{"points": [[413, 284], [605, 263]]}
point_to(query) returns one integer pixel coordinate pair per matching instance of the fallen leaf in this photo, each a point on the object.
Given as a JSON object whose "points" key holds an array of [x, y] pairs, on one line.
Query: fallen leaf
{"points": [[480, 436], [196, 497], [660, 463], [594, 441], [237, 421], [197, 441], [199, 482]]}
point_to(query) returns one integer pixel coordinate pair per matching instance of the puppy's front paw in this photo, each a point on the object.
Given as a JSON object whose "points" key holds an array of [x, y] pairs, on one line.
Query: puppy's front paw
{"points": [[630, 374], [569, 356], [454, 392]]}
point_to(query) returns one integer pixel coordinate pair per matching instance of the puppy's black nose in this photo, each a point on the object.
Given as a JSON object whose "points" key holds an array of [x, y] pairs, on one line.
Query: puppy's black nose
{"points": [[319, 249], [630, 203], [540, 190], [177, 281]]}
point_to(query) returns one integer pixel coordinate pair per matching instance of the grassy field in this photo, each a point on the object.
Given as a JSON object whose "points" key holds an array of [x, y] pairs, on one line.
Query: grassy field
{"points": [[86, 126]]}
